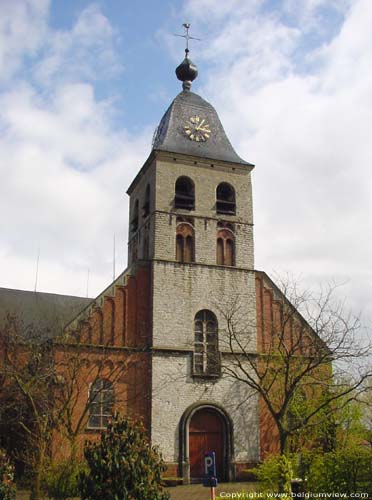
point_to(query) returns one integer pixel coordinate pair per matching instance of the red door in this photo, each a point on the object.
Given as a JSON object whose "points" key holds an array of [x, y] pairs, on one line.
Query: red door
{"points": [[206, 434]]}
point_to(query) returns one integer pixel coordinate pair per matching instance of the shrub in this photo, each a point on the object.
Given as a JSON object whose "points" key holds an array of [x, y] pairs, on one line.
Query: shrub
{"points": [[7, 486], [123, 466], [61, 480], [347, 470], [276, 474]]}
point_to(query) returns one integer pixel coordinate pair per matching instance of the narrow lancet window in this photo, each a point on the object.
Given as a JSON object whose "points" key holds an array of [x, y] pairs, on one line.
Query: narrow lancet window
{"points": [[206, 355], [225, 245], [146, 203], [184, 194], [185, 241], [134, 219], [225, 202]]}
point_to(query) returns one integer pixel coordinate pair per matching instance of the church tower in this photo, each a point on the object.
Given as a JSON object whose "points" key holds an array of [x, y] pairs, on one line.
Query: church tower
{"points": [[191, 227]]}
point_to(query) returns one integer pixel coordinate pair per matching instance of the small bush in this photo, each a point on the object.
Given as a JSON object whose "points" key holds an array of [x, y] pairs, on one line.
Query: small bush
{"points": [[123, 466], [275, 474], [61, 480], [347, 470], [7, 485]]}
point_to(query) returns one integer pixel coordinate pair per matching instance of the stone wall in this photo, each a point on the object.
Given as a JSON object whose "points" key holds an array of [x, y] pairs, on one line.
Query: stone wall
{"points": [[181, 290], [145, 224], [206, 179], [175, 390]]}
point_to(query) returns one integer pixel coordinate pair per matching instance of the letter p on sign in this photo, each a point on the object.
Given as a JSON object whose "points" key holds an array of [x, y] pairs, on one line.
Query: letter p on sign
{"points": [[210, 464]]}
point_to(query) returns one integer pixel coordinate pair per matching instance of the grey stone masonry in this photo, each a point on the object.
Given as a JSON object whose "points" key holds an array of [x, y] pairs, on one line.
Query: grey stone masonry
{"points": [[206, 177], [174, 390], [146, 224], [161, 175], [181, 290]]}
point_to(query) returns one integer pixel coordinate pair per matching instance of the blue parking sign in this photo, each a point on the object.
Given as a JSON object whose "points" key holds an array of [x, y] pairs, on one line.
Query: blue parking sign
{"points": [[210, 479], [210, 464]]}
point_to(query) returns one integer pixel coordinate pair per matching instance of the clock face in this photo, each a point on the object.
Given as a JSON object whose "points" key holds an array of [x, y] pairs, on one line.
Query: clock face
{"points": [[197, 129]]}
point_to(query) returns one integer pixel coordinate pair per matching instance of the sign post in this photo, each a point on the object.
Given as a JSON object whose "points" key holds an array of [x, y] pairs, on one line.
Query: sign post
{"points": [[210, 479]]}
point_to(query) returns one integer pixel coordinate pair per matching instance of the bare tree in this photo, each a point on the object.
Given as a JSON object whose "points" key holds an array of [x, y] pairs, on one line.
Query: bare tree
{"points": [[78, 368], [300, 366], [46, 391], [27, 416], [366, 411]]}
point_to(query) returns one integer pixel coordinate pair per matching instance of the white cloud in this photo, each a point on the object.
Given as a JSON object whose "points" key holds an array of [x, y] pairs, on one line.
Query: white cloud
{"points": [[308, 133], [23, 24], [310, 14], [64, 168], [87, 51], [217, 10]]}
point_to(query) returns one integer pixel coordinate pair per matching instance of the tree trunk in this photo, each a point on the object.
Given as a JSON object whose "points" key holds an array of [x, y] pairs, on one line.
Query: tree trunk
{"points": [[283, 441], [285, 469], [38, 473], [36, 485], [73, 448]]}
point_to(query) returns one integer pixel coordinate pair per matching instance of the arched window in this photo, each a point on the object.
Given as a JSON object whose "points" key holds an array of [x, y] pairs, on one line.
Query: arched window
{"points": [[206, 355], [146, 203], [185, 248], [146, 244], [134, 219], [184, 194], [101, 403], [225, 245], [225, 202]]}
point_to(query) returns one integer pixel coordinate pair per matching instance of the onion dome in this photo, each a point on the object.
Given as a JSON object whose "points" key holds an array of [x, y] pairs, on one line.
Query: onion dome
{"points": [[186, 72]]}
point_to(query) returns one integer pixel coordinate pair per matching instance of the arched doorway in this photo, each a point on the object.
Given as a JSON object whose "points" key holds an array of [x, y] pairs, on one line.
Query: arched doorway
{"points": [[206, 422], [207, 433]]}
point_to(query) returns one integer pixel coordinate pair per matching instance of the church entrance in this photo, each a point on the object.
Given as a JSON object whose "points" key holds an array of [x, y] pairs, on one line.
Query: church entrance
{"points": [[206, 434]]}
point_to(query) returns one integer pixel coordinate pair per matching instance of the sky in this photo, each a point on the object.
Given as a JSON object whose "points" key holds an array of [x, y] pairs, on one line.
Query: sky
{"points": [[83, 85]]}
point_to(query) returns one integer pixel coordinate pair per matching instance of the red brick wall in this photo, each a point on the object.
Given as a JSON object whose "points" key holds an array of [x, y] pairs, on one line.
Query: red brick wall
{"points": [[112, 344], [277, 317]]}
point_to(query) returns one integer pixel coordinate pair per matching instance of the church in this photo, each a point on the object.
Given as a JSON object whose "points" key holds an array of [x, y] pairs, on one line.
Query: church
{"points": [[190, 254]]}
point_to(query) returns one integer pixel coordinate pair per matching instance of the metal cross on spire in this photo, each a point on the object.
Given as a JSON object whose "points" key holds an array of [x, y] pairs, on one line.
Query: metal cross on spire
{"points": [[187, 37]]}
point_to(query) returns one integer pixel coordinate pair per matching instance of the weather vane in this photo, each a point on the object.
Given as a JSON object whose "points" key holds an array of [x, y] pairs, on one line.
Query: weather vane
{"points": [[187, 37]]}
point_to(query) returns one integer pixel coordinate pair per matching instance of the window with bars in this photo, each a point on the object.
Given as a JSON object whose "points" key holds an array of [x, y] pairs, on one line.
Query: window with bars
{"points": [[101, 403], [184, 194], [146, 203], [206, 355], [225, 199], [134, 219]]}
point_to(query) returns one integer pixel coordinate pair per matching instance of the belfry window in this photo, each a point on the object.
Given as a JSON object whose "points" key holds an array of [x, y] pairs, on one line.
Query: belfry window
{"points": [[146, 203], [206, 355], [184, 194], [225, 202], [134, 219], [185, 249], [225, 245], [101, 403]]}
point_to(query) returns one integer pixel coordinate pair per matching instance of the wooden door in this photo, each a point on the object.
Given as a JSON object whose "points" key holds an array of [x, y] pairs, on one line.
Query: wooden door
{"points": [[206, 434]]}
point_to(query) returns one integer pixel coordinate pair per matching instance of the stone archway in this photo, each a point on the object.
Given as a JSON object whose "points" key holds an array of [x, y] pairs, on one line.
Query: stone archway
{"points": [[205, 428]]}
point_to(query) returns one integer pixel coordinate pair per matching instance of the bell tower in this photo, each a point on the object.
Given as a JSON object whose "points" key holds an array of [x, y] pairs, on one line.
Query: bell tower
{"points": [[191, 223]]}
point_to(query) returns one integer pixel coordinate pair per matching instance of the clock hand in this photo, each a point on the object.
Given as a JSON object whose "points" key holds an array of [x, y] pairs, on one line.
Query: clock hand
{"points": [[200, 125]]}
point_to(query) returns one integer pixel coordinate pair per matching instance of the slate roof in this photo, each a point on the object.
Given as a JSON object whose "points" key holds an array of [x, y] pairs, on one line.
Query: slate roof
{"points": [[43, 314], [170, 135]]}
